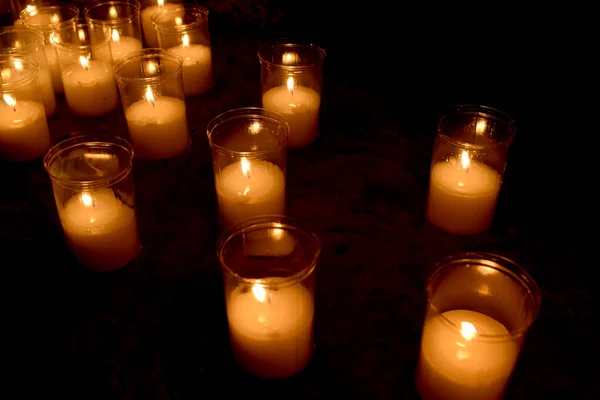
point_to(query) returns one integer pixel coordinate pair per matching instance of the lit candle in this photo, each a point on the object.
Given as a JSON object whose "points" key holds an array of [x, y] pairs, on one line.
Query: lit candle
{"points": [[24, 133], [271, 329], [100, 229], [300, 106], [463, 361], [197, 66], [248, 189], [122, 45], [45, 84], [146, 16], [158, 126], [90, 87], [462, 195], [54, 67]]}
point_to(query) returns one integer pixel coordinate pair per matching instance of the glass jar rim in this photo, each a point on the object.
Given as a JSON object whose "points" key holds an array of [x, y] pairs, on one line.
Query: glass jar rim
{"points": [[25, 14], [195, 9], [505, 266], [34, 40], [484, 111], [24, 81], [244, 113], [82, 141], [270, 222], [291, 44], [72, 47], [145, 53], [134, 4]]}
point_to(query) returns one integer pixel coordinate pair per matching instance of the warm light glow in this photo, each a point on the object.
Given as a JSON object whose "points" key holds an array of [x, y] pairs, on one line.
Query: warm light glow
{"points": [[291, 85], [178, 21], [288, 58], [17, 44], [255, 128], [161, 3], [464, 159], [18, 65], [9, 100], [55, 19], [277, 233], [112, 12], [81, 34], [151, 68], [185, 40], [245, 166], [97, 156], [149, 94], [30, 8], [480, 127], [5, 75], [467, 330], [84, 61], [260, 293], [115, 35], [87, 200]]}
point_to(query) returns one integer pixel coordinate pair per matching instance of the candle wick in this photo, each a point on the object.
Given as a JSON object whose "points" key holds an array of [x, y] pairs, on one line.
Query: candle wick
{"points": [[15, 108], [153, 105]]}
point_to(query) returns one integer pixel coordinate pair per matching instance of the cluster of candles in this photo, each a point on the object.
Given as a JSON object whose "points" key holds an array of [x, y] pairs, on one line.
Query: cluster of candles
{"points": [[149, 60]]}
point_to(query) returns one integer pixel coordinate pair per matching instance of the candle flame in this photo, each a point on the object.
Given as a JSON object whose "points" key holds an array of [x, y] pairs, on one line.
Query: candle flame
{"points": [[18, 65], [178, 21], [161, 3], [115, 35], [151, 68], [260, 293], [9, 100], [30, 8], [84, 61], [112, 12], [149, 94], [467, 330], [291, 84], [255, 128], [480, 127], [55, 19], [185, 40], [464, 159], [245, 166]]}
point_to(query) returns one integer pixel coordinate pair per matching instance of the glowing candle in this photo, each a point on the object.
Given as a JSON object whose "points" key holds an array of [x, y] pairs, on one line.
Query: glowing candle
{"points": [[197, 70], [249, 188], [146, 16], [24, 133], [271, 331], [122, 45], [101, 230], [462, 195], [158, 126], [90, 87], [465, 355], [300, 106]]}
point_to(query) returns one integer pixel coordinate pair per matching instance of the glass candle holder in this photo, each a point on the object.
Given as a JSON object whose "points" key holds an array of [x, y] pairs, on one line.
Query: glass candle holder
{"points": [[184, 30], [152, 96], [249, 160], [479, 309], [149, 10], [48, 19], [88, 79], [95, 197], [120, 20], [467, 168], [269, 276], [24, 133], [18, 6], [20, 40], [291, 77]]}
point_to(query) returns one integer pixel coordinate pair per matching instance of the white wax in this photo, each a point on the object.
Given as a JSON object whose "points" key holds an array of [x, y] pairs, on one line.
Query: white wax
{"points": [[90, 91], [271, 331], [24, 133], [150, 35], [197, 70], [158, 129], [242, 194], [52, 60], [100, 230], [47, 89], [300, 107], [453, 365], [462, 200], [274, 242]]}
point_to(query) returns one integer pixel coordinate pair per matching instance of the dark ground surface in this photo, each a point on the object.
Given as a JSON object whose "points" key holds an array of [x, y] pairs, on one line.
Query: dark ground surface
{"points": [[157, 330]]}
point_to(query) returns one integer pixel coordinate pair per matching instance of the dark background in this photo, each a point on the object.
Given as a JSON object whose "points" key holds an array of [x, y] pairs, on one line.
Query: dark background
{"points": [[157, 328]]}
